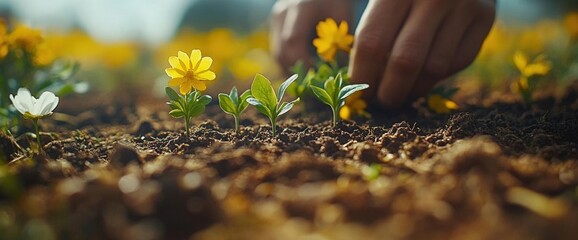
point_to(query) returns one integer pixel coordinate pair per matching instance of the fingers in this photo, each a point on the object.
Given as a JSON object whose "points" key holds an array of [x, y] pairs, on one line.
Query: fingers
{"points": [[292, 23], [474, 37], [410, 52], [375, 36], [277, 22], [440, 60]]}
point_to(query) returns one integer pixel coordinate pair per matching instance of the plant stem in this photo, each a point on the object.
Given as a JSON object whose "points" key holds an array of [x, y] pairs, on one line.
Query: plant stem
{"points": [[335, 116], [187, 119], [37, 135], [273, 127], [236, 123]]}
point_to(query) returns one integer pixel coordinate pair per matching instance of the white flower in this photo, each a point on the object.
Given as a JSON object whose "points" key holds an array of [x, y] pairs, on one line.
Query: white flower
{"points": [[34, 108]]}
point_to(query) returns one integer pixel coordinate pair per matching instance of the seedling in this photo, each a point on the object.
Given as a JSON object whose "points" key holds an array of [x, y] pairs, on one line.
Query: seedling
{"points": [[34, 109], [267, 102], [334, 93], [187, 106], [529, 69], [439, 100], [234, 104]]}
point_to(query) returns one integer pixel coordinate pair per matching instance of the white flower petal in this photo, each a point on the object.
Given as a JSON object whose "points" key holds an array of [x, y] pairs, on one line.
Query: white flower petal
{"points": [[25, 99], [18, 105], [45, 104]]}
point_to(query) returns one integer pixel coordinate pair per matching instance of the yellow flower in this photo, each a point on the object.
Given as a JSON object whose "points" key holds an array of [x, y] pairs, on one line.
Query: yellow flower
{"points": [[25, 37], [190, 72], [3, 40], [538, 66], [331, 38], [571, 23], [354, 105], [440, 104], [43, 56]]}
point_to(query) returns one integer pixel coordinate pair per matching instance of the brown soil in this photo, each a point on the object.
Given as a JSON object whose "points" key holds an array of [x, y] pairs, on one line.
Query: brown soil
{"points": [[129, 172]]}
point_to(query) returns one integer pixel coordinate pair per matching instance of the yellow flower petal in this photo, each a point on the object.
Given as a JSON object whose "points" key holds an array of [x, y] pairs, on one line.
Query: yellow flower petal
{"points": [[186, 87], [328, 55], [176, 63], [343, 28], [345, 43], [173, 82], [441, 105], [206, 75], [520, 60], [451, 105], [199, 85], [204, 64], [195, 57], [541, 68], [175, 73], [185, 61], [345, 113]]}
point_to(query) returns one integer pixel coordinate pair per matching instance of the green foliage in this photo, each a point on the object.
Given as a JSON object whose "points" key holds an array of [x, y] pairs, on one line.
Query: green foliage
{"points": [[187, 106], [234, 104], [267, 102], [445, 92], [334, 92], [371, 172], [19, 72], [313, 77]]}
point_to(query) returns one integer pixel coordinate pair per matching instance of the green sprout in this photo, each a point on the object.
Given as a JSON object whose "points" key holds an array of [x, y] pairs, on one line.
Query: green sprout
{"points": [[302, 82], [334, 93], [269, 103], [187, 106], [234, 104]]}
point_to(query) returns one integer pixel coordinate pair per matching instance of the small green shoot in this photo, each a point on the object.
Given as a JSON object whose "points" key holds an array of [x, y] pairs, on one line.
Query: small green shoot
{"points": [[267, 102], [187, 106], [334, 93], [302, 82], [234, 104]]}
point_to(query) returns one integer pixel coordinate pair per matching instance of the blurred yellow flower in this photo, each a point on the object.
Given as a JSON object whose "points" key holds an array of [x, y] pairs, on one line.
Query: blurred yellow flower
{"points": [[43, 56], [3, 40], [538, 66], [190, 72], [244, 68], [440, 104], [354, 105], [25, 37], [571, 23], [331, 38]]}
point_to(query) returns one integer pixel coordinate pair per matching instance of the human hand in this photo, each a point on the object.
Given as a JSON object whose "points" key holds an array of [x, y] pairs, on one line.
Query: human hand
{"points": [[403, 48], [293, 27]]}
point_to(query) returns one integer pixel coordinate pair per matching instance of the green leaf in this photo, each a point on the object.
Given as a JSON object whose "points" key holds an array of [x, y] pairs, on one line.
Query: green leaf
{"points": [[204, 100], [176, 105], [172, 94], [65, 90], [350, 89], [262, 90], [196, 110], [234, 96], [260, 107], [322, 95], [243, 104], [227, 104], [286, 106], [284, 86], [331, 88], [324, 72], [177, 113]]}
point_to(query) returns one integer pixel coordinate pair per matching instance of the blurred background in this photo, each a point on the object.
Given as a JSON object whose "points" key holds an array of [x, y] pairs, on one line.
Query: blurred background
{"points": [[127, 42]]}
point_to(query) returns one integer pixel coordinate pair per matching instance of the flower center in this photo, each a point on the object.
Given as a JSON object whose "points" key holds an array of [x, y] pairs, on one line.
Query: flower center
{"points": [[190, 75]]}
